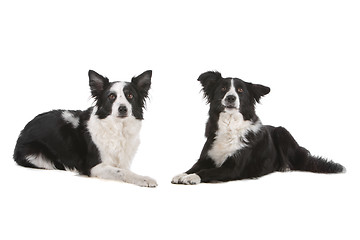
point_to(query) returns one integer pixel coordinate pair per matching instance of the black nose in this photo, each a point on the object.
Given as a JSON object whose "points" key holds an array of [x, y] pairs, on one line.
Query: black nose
{"points": [[123, 110], [230, 99]]}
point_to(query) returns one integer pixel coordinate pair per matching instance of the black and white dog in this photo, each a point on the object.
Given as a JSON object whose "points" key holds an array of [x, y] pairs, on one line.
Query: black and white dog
{"points": [[99, 142], [238, 146]]}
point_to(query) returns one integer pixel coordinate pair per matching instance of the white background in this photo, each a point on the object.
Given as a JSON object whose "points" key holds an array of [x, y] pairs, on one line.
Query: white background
{"points": [[306, 51]]}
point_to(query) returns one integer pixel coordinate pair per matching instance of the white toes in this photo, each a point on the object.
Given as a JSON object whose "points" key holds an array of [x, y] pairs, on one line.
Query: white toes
{"points": [[191, 179], [146, 182], [188, 179], [177, 178]]}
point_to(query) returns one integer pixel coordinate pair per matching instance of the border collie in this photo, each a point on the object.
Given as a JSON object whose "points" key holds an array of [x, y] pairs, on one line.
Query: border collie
{"points": [[99, 142], [238, 146]]}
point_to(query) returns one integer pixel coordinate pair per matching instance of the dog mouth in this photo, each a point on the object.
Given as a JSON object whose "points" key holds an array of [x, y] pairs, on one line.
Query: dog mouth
{"points": [[122, 115], [230, 107]]}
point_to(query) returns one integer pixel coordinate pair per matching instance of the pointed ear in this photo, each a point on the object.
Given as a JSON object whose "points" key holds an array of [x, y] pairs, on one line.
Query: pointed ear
{"points": [[143, 82], [97, 83], [258, 91], [208, 80]]}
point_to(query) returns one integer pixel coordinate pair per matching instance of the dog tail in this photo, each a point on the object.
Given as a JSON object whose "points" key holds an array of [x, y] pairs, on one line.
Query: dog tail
{"points": [[304, 161], [298, 158]]}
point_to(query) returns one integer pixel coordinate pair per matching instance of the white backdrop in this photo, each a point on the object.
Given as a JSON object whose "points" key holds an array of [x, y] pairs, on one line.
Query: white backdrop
{"points": [[306, 51]]}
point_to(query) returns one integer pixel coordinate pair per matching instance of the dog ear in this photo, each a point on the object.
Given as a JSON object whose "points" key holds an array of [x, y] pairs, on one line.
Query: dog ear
{"points": [[143, 82], [97, 83], [258, 91], [208, 80]]}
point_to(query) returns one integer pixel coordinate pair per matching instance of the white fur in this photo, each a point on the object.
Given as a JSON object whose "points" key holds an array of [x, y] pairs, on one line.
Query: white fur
{"points": [[232, 91], [230, 135], [70, 118], [188, 179], [71, 169], [109, 172], [177, 178], [40, 161], [191, 179], [117, 139], [118, 88]]}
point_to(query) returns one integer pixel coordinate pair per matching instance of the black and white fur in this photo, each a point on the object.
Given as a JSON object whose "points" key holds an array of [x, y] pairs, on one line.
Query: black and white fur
{"points": [[238, 146], [99, 142]]}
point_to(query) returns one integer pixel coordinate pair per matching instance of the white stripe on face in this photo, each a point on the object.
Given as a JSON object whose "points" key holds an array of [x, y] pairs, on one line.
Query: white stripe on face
{"points": [[118, 89], [232, 91]]}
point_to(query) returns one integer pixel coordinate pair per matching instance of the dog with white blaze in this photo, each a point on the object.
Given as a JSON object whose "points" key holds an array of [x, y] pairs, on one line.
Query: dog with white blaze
{"points": [[98, 142], [238, 145]]}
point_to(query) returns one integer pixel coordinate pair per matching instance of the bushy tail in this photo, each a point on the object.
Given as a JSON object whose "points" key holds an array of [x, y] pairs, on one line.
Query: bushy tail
{"points": [[298, 158], [304, 161]]}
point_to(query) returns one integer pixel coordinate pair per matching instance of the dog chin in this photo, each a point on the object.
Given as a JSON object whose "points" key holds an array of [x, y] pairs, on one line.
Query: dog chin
{"points": [[122, 116], [231, 108]]}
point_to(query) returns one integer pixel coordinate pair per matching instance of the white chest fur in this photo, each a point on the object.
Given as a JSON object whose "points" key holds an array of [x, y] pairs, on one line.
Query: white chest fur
{"points": [[116, 139], [230, 136]]}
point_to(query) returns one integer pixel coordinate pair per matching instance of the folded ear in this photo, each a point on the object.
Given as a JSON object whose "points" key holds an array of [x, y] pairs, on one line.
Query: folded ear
{"points": [[258, 91], [97, 83], [208, 80], [143, 82]]}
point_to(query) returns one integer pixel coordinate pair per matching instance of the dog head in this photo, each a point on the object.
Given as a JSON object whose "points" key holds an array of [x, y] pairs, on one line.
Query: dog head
{"points": [[231, 94], [120, 99]]}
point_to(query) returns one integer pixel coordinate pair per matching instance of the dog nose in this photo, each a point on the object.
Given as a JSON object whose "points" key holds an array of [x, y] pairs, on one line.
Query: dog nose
{"points": [[230, 99], [123, 110]]}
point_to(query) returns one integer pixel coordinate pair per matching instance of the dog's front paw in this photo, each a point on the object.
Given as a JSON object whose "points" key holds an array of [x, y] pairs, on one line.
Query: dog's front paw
{"points": [[176, 179], [146, 182], [188, 179], [191, 179]]}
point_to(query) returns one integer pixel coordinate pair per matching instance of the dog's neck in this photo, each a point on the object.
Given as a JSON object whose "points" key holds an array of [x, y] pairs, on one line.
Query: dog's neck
{"points": [[117, 139], [232, 122], [231, 135]]}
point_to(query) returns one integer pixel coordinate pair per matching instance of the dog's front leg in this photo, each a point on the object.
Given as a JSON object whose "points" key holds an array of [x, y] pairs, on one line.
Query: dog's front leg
{"points": [[189, 177], [105, 171], [221, 174]]}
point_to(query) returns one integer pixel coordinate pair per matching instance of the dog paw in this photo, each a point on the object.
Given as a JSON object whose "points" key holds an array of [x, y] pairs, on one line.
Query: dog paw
{"points": [[176, 179], [146, 182], [188, 179], [191, 179]]}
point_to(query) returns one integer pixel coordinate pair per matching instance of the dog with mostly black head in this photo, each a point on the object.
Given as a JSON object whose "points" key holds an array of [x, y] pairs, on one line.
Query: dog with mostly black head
{"points": [[238, 145], [99, 142]]}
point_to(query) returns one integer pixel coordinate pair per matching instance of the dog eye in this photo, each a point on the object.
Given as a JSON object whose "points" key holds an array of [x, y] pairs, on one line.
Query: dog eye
{"points": [[240, 90], [130, 96], [223, 89], [112, 96]]}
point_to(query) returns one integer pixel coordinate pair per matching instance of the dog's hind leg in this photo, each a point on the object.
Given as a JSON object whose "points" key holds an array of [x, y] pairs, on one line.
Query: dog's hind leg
{"points": [[105, 171], [25, 161], [35, 155], [298, 158]]}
